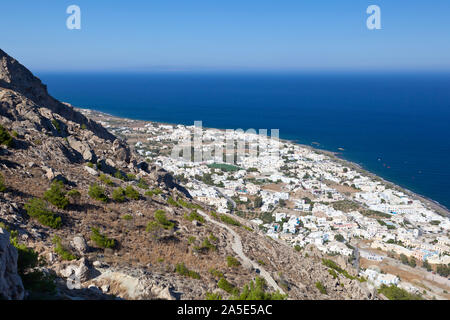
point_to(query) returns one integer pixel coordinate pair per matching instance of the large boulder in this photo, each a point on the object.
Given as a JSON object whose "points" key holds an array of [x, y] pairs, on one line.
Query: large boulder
{"points": [[166, 179], [82, 147], [121, 151], [11, 287], [135, 287], [79, 244], [79, 270]]}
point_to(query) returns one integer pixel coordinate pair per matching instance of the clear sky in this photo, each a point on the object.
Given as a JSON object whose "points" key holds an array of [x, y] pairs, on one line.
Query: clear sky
{"points": [[227, 34]]}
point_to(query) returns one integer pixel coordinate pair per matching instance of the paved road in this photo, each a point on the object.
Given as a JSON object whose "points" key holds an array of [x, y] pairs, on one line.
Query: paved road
{"points": [[237, 248]]}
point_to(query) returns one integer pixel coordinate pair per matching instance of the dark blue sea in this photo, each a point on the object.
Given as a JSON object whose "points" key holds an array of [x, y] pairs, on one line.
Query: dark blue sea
{"points": [[395, 125]]}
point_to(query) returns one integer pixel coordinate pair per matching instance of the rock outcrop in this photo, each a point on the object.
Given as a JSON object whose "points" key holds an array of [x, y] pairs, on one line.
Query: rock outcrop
{"points": [[24, 94], [135, 287], [11, 287]]}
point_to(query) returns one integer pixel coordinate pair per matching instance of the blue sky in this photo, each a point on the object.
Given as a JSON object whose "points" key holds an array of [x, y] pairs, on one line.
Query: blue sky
{"points": [[227, 34]]}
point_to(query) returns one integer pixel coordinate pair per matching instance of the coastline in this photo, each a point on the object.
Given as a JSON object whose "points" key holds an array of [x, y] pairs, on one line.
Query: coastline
{"points": [[430, 203]]}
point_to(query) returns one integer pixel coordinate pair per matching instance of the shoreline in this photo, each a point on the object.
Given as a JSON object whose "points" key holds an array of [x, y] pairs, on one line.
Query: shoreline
{"points": [[432, 204]]}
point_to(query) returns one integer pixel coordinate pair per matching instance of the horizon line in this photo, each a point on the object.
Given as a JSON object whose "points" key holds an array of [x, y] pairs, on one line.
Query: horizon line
{"points": [[250, 70]]}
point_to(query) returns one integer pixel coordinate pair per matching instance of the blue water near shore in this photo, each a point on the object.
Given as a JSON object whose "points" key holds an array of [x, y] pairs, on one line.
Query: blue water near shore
{"points": [[394, 125]]}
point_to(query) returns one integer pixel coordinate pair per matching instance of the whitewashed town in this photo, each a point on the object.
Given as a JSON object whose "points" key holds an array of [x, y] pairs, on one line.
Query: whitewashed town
{"points": [[302, 196]]}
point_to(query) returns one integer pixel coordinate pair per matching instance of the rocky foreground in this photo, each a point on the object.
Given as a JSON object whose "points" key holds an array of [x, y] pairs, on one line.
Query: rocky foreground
{"points": [[81, 217]]}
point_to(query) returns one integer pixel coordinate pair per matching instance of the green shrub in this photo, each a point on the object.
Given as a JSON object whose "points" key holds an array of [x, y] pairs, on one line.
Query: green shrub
{"points": [[97, 192], [56, 195], [83, 126], [118, 195], [5, 137], [191, 239], [256, 290], [90, 165], [227, 286], [27, 257], [131, 177], [184, 271], [161, 218], [194, 215], [39, 284], [56, 125], [172, 202], [443, 270], [127, 217], [101, 240], [212, 296], [37, 209], [2, 184], [333, 273], [321, 288], [64, 253], [216, 273], [119, 175], [232, 262], [188, 205], [331, 264], [157, 191], [142, 184], [153, 226], [131, 193], [214, 215], [206, 245], [229, 220], [153, 192], [395, 293], [74, 194], [213, 237], [106, 180]]}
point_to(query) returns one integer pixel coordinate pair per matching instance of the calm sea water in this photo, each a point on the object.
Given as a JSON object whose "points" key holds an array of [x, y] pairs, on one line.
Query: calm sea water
{"points": [[394, 125]]}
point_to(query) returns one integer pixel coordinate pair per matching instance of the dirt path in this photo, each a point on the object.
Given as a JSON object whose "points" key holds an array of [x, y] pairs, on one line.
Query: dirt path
{"points": [[237, 248]]}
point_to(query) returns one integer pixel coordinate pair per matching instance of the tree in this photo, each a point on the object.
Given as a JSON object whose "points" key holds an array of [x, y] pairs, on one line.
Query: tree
{"points": [[74, 194], [5, 137], [404, 259], [160, 217], [56, 195], [230, 205], [339, 237], [232, 262], [256, 290], [101, 240], [98, 193], [426, 265], [258, 202], [37, 209], [118, 195], [443, 270]]}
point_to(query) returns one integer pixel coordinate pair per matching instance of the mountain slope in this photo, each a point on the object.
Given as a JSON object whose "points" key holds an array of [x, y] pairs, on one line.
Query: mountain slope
{"points": [[83, 211]]}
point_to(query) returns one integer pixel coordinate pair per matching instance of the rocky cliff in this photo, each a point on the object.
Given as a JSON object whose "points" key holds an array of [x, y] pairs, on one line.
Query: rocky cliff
{"points": [[24, 95], [11, 287]]}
